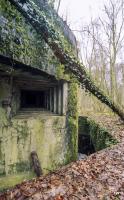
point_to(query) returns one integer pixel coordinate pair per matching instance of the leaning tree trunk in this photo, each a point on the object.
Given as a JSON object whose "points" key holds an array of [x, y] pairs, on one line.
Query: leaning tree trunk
{"points": [[38, 20]]}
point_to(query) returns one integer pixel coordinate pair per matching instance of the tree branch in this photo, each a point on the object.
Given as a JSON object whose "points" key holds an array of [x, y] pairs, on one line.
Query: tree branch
{"points": [[38, 20]]}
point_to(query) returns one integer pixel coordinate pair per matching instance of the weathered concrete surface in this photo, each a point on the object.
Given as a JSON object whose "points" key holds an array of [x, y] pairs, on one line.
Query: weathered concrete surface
{"points": [[34, 130], [43, 134], [50, 135], [31, 130], [20, 42]]}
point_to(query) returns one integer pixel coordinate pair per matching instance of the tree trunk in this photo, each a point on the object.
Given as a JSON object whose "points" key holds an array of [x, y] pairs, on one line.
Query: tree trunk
{"points": [[52, 38], [36, 163]]}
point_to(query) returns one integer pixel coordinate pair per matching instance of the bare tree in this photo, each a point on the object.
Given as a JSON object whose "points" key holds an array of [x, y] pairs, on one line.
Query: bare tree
{"points": [[72, 64], [105, 37], [58, 6]]}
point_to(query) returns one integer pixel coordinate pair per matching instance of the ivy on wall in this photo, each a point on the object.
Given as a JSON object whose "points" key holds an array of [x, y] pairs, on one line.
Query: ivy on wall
{"points": [[40, 23], [20, 41], [72, 122]]}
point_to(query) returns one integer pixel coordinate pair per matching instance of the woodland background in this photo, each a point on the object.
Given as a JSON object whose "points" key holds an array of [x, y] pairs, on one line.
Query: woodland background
{"points": [[101, 49]]}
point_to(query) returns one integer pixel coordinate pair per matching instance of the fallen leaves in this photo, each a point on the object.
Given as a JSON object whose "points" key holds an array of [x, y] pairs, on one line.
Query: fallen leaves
{"points": [[100, 176]]}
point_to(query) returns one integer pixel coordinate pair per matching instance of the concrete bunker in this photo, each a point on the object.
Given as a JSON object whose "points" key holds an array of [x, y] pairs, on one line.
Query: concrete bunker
{"points": [[34, 107], [53, 99], [43, 97], [28, 88], [44, 122]]}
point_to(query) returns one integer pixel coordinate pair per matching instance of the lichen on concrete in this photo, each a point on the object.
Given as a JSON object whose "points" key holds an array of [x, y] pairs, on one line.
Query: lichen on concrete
{"points": [[45, 135], [20, 42]]}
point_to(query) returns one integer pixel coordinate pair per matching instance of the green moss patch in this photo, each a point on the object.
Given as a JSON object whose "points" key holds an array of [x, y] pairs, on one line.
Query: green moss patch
{"points": [[12, 180], [20, 167], [72, 123]]}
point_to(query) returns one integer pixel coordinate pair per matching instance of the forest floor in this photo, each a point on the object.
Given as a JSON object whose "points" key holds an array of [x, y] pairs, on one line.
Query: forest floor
{"points": [[112, 123], [99, 176]]}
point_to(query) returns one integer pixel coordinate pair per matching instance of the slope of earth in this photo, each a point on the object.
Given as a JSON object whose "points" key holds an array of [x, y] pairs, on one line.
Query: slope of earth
{"points": [[100, 176], [112, 123]]}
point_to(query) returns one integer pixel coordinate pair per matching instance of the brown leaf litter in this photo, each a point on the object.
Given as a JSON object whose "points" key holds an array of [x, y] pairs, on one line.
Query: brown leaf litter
{"points": [[100, 176]]}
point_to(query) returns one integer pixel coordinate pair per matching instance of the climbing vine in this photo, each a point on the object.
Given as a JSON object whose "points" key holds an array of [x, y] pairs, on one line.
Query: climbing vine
{"points": [[40, 23], [72, 122], [20, 41]]}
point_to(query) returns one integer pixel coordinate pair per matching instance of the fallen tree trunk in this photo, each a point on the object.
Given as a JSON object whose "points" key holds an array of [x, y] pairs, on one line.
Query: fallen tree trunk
{"points": [[38, 20]]}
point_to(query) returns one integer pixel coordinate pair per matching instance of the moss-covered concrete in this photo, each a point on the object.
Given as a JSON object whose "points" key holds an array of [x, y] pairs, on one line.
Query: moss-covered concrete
{"points": [[4, 93], [72, 122], [100, 137], [54, 138], [20, 41], [45, 135]]}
